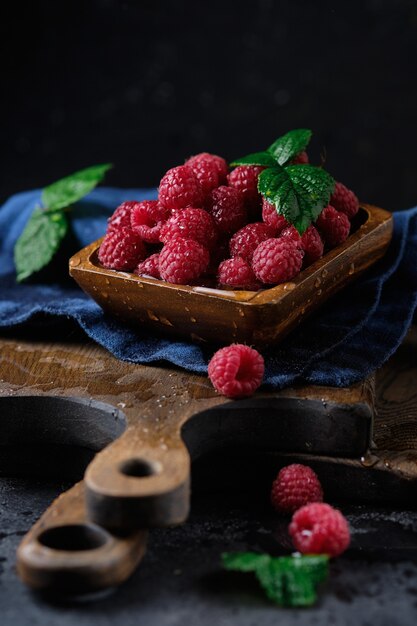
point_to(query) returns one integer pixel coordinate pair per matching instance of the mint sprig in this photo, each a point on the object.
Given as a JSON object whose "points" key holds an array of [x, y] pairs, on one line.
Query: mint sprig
{"points": [[290, 581], [48, 225], [299, 192]]}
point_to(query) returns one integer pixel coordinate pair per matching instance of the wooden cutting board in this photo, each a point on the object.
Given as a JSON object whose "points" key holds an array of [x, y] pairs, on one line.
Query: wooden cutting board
{"points": [[160, 419]]}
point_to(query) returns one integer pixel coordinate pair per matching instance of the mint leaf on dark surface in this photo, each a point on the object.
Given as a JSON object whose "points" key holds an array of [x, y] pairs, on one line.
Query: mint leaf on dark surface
{"points": [[39, 242], [72, 188], [288, 581], [257, 158], [289, 145], [299, 192]]}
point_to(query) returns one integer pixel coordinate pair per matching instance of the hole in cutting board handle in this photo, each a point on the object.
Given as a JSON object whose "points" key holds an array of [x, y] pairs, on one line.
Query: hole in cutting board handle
{"points": [[139, 468], [74, 537]]}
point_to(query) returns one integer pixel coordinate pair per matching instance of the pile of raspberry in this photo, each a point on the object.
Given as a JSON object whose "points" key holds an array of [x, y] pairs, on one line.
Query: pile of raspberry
{"points": [[210, 226]]}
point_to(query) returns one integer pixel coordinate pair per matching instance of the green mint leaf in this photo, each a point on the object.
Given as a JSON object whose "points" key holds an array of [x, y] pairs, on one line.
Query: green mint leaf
{"points": [[72, 188], [299, 192], [243, 561], [39, 241], [257, 158], [289, 145], [287, 581]]}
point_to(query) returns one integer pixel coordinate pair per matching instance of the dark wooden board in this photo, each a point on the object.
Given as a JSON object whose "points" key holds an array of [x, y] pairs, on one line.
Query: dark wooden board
{"points": [[156, 403]]}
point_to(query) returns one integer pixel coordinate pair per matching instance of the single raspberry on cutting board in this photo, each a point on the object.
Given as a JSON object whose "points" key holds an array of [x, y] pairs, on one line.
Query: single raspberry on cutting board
{"points": [[295, 486], [121, 216], [182, 261], [149, 267], [216, 161], [147, 218], [245, 178], [179, 188], [247, 239], [277, 260], [273, 219], [344, 200], [190, 223], [333, 225], [236, 371], [121, 249], [237, 273], [227, 206], [318, 528]]}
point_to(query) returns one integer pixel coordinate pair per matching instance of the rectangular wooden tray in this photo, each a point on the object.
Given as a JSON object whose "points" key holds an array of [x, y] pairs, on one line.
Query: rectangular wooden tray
{"points": [[255, 318]]}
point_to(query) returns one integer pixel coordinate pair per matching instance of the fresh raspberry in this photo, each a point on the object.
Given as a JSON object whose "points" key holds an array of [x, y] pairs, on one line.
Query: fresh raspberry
{"points": [[180, 188], [121, 249], [319, 529], [247, 239], [312, 245], [227, 206], [183, 260], [146, 219], [190, 223], [236, 371], [219, 254], [245, 178], [272, 218], [295, 486], [208, 171], [218, 162], [290, 232], [333, 225], [277, 260], [344, 200], [310, 241], [149, 267], [121, 216], [300, 159], [237, 273]]}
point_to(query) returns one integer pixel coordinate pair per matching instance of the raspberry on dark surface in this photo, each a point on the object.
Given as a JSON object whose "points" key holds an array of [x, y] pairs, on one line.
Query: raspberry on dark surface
{"points": [[292, 233], [218, 162], [318, 528], [277, 260], [122, 250], [295, 486], [149, 267], [344, 200], [121, 216], [147, 218], [182, 261], [245, 241], [179, 188], [334, 226], [227, 206], [237, 274], [245, 178], [190, 223], [236, 371], [272, 218]]}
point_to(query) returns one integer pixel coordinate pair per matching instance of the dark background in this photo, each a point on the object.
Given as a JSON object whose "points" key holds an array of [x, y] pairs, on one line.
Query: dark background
{"points": [[145, 84]]}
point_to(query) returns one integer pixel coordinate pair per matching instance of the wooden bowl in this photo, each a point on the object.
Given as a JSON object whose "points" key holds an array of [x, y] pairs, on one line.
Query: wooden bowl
{"points": [[256, 318]]}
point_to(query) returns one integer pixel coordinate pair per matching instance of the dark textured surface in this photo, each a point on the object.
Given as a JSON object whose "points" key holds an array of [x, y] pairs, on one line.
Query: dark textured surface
{"points": [[145, 84], [180, 580]]}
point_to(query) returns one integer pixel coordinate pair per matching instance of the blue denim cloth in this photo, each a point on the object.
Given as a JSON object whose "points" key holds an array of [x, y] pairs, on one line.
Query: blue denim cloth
{"points": [[351, 336]]}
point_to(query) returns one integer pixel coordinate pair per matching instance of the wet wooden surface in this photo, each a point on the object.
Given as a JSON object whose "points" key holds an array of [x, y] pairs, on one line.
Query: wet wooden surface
{"points": [[154, 404]]}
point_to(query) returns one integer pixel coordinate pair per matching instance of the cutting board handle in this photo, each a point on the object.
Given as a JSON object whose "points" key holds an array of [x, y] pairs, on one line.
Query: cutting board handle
{"points": [[139, 481], [64, 552]]}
